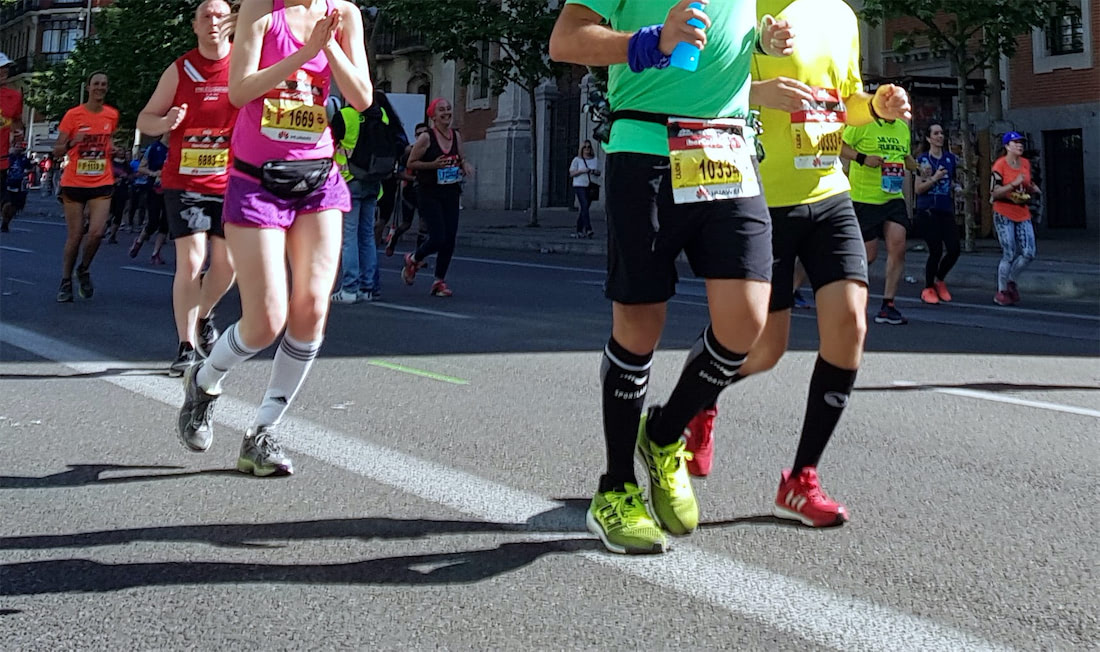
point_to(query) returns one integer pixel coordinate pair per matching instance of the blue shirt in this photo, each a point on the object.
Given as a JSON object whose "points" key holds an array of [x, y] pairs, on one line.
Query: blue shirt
{"points": [[18, 166], [938, 196]]}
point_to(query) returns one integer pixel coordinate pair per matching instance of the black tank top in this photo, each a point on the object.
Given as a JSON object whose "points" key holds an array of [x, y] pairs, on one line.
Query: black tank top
{"points": [[443, 177]]}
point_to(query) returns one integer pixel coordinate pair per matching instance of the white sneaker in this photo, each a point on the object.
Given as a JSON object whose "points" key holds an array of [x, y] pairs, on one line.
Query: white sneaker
{"points": [[365, 296], [343, 296]]}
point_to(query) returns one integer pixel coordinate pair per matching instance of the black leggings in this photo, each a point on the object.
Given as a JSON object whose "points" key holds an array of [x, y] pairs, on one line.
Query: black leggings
{"points": [[439, 208], [940, 232]]}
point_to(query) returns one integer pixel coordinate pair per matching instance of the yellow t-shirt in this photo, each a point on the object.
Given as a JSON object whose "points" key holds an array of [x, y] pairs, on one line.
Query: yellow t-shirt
{"points": [[802, 150]]}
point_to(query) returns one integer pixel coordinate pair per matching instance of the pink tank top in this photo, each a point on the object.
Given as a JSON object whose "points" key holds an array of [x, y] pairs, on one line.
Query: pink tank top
{"points": [[288, 122]]}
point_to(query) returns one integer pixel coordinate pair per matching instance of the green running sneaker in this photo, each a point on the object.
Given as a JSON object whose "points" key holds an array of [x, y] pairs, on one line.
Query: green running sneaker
{"points": [[620, 519], [669, 483]]}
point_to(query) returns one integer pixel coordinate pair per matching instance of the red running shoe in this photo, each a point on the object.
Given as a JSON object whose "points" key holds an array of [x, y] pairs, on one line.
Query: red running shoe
{"points": [[1013, 292], [700, 442], [941, 291], [408, 272], [440, 289], [801, 499]]}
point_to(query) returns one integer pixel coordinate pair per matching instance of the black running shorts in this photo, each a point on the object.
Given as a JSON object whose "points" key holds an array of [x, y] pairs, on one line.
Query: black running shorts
{"points": [[85, 195], [727, 239], [873, 217], [191, 213], [825, 236]]}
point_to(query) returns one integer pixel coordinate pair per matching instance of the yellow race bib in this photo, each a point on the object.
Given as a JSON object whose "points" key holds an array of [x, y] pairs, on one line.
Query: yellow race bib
{"points": [[817, 130], [294, 112], [91, 167], [205, 152], [710, 160]]}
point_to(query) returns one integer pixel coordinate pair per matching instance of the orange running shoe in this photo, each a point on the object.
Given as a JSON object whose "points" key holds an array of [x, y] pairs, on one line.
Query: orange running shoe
{"points": [[929, 295], [941, 290]]}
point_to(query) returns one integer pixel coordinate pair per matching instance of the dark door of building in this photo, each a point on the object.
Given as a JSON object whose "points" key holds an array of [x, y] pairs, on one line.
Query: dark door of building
{"points": [[565, 132], [1064, 178]]}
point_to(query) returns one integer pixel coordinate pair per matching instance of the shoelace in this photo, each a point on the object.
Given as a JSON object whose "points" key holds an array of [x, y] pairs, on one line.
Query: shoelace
{"points": [[669, 463], [626, 509], [203, 413], [267, 444]]}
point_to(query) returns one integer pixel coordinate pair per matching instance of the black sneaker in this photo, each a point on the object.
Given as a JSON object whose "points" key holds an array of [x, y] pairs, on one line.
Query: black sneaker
{"points": [[84, 280], [208, 335], [184, 359], [890, 315], [195, 425], [261, 454], [65, 291]]}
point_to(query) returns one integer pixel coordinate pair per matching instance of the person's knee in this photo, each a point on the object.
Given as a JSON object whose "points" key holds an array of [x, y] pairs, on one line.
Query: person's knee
{"points": [[262, 332], [637, 327]]}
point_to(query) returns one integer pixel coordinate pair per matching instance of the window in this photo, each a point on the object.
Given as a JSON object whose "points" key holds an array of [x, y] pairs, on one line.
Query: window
{"points": [[1066, 33], [481, 81], [1065, 41], [60, 36]]}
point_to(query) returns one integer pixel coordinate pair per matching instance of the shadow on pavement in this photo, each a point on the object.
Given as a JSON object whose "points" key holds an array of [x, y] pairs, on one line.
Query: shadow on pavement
{"points": [[105, 373], [83, 575], [759, 519]]}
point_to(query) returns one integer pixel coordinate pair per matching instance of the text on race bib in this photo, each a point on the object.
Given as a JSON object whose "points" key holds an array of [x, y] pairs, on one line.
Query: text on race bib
{"points": [[893, 177], [816, 130], [205, 152], [293, 111], [450, 174], [710, 160]]}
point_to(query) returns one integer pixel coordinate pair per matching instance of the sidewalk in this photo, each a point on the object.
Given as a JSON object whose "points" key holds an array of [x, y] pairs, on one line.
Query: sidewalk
{"points": [[1067, 265]]}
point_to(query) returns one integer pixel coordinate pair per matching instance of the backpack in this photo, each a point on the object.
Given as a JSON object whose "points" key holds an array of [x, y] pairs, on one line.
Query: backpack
{"points": [[378, 146]]}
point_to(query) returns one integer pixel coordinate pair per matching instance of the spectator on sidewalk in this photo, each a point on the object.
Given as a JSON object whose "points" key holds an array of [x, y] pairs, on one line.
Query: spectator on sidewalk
{"points": [[369, 143], [1012, 188], [584, 170], [935, 214], [409, 203]]}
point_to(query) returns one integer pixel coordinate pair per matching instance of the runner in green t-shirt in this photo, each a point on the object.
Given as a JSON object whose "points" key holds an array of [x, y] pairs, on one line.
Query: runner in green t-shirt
{"points": [[879, 171], [672, 186]]}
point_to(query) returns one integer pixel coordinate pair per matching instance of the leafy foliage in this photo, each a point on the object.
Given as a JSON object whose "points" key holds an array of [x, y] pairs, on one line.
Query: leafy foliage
{"points": [[974, 33], [454, 29], [133, 42]]}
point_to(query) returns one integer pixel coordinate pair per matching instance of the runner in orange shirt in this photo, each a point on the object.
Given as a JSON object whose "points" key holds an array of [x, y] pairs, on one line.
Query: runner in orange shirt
{"points": [[11, 123], [85, 134]]}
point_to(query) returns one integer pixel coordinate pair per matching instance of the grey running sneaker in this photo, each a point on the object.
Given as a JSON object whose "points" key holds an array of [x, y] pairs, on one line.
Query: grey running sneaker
{"points": [[208, 335], [84, 280], [65, 291], [184, 359], [261, 454], [196, 421]]}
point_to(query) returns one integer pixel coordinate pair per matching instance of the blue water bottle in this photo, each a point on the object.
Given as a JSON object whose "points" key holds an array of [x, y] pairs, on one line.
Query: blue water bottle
{"points": [[685, 55]]}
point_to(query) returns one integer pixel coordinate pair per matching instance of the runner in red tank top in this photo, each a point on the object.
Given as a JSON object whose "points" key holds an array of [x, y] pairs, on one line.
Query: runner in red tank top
{"points": [[191, 104]]}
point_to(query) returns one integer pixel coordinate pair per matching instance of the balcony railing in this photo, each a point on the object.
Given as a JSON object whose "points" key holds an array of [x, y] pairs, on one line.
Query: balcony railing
{"points": [[18, 8], [389, 40]]}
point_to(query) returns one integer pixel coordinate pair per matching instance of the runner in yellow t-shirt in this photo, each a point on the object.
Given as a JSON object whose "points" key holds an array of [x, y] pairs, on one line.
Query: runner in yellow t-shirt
{"points": [[879, 171], [805, 102]]}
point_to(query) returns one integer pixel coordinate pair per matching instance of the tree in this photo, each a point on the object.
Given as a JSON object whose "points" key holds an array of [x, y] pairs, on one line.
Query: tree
{"points": [[133, 42], [972, 35], [518, 29]]}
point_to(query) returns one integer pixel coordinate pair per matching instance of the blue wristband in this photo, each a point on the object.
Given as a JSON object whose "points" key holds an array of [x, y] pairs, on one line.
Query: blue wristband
{"points": [[642, 51]]}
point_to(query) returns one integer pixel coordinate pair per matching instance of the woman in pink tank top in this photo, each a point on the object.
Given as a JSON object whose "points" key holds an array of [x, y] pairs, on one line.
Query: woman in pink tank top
{"points": [[284, 201]]}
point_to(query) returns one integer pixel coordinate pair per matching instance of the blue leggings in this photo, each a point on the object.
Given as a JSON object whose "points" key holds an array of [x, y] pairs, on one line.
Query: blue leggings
{"points": [[1018, 247]]}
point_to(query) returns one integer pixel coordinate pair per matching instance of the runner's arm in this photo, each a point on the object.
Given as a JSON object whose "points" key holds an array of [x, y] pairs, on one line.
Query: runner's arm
{"points": [[348, 58], [246, 81], [890, 103], [580, 36], [154, 119], [419, 147]]}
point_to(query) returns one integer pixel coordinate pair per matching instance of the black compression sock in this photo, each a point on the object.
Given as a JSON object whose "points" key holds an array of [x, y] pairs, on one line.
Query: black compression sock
{"points": [[710, 368], [830, 387], [624, 377]]}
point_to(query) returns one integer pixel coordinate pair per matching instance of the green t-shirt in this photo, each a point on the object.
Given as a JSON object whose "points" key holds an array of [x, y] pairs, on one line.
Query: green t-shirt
{"points": [[890, 140], [719, 88]]}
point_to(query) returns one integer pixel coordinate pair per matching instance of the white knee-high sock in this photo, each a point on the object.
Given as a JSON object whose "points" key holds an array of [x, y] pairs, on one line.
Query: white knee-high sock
{"points": [[229, 351], [292, 362]]}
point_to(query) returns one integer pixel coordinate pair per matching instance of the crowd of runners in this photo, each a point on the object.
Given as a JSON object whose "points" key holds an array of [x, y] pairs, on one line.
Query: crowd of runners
{"points": [[731, 126]]}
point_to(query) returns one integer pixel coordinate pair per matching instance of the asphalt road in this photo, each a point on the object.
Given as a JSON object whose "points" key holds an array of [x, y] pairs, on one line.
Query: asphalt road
{"points": [[446, 451]]}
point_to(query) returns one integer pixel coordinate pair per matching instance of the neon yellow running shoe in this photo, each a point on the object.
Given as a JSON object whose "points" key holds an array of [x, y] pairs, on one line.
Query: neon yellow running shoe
{"points": [[622, 522], [670, 489]]}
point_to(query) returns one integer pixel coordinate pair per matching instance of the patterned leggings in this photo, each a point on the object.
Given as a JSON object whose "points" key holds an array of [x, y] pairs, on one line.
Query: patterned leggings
{"points": [[1018, 247]]}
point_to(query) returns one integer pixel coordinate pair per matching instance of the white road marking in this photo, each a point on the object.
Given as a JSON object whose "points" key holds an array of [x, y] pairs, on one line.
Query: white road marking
{"points": [[19, 280], [774, 600], [1000, 398], [146, 270], [16, 229], [16, 249], [422, 311]]}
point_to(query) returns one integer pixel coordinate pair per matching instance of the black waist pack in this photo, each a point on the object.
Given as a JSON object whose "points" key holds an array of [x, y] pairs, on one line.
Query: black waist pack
{"points": [[289, 179]]}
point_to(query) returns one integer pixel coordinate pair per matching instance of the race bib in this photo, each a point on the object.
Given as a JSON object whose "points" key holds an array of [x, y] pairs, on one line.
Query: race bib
{"points": [[294, 111], [710, 160], [448, 175], [817, 130], [205, 152], [90, 165], [893, 177]]}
